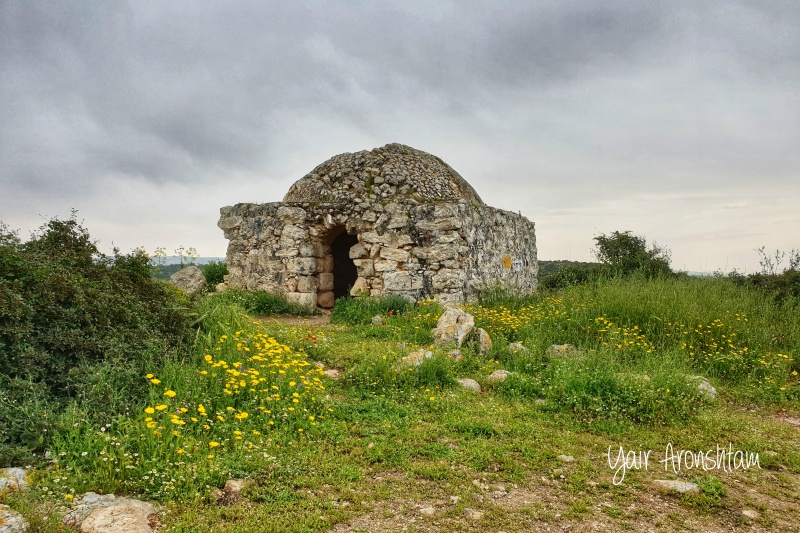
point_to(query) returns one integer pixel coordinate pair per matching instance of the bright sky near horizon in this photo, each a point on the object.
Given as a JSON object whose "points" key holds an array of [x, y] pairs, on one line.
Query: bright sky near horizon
{"points": [[678, 120]]}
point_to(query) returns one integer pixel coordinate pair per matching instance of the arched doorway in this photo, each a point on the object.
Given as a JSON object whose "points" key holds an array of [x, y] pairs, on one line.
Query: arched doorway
{"points": [[345, 273]]}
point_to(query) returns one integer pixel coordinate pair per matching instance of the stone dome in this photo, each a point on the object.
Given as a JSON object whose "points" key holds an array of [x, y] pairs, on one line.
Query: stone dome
{"points": [[392, 172]]}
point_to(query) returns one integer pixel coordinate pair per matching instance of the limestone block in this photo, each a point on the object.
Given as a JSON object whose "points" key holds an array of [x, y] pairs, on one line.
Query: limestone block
{"points": [[358, 251], [498, 375], [307, 283], [302, 265], [704, 387], [448, 237], [515, 348], [370, 237], [366, 267], [303, 299], [453, 327], [13, 479], [484, 340], [295, 233], [395, 254], [413, 360], [325, 299], [401, 281], [307, 249], [404, 240], [11, 521], [129, 517], [287, 252], [676, 486], [290, 285], [440, 225], [325, 281], [447, 278], [189, 279], [326, 264], [445, 211], [360, 288], [95, 513], [377, 285], [437, 252], [470, 384], [291, 215], [385, 265], [229, 222]]}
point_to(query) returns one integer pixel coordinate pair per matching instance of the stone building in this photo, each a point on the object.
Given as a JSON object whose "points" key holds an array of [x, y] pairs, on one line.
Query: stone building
{"points": [[393, 220]]}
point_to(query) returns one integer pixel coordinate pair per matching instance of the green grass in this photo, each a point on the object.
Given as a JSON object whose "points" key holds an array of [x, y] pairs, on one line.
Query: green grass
{"points": [[384, 439]]}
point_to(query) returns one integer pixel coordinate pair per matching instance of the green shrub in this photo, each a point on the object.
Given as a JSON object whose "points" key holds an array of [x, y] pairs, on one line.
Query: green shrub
{"points": [[66, 310], [215, 272], [623, 254], [712, 487], [361, 310], [259, 303], [573, 275], [597, 387]]}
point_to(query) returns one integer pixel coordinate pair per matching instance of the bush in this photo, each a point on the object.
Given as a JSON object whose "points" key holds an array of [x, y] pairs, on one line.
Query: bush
{"points": [[361, 310], [259, 303], [66, 310], [215, 272], [624, 253]]}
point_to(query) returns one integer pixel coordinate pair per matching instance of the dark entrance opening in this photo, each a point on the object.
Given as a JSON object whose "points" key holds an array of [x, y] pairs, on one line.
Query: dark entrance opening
{"points": [[344, 270]]}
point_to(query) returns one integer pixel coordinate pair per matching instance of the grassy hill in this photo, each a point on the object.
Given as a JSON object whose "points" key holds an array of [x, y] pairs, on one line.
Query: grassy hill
{"points": [[384, 446]]}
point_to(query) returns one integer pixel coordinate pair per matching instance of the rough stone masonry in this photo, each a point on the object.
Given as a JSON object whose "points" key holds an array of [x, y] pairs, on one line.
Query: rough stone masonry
{"points": [[393, 220]]}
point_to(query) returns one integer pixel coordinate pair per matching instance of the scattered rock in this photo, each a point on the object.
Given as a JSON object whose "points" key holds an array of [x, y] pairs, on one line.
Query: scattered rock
{"points": [[472, 514], [189, 279], [94, 513], [222, 287], [539, 401], [456, 355], [414, 359], [704, 387], [752, 515], [453, 327], [470, 384], [454, 499], [478, 484], [11, 521], [560, 350], [231, 492], [377, 320], [515, 348], [676, 486], [566, 458], [484, 340], [13, 479], [427, 511], [332, 373], [498, 375]]}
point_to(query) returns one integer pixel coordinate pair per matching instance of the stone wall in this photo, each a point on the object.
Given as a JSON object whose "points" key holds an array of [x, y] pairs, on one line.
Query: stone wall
{"points": [[441, 249]]}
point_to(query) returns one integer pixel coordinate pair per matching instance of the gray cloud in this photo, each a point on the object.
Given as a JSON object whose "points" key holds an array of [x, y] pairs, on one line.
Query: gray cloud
{"points": [[539, 104]]}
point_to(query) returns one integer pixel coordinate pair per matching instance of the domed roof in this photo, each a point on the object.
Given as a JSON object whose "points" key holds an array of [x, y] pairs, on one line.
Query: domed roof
{"points": [[394, 171]]}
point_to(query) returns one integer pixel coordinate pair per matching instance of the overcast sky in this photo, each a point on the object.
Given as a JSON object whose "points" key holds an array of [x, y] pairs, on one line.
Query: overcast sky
{"points": [[679, 121]]}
